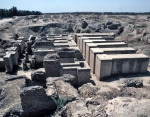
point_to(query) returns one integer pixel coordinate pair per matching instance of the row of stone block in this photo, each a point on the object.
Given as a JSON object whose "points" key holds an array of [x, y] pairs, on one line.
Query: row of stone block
{"points": [[10, 60], [107, 56], [70, 58]]}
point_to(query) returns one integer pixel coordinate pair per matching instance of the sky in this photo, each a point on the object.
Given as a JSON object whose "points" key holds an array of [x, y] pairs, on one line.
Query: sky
{"points": [[57, 6]]}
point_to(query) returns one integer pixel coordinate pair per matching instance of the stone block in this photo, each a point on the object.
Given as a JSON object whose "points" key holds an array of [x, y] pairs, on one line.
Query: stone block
{"points": [[106, 65], [43, 44], [101, 45], [97, 51], [83, 76], [14, 57], [2, 64], [40, 53], [52, 65], [8, 63], [94, 38]]}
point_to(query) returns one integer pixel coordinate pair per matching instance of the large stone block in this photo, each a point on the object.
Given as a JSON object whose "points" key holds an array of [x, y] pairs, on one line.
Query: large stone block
{"points": [[43, 44], [14, 57], [35, 102], [97, 42], [2, 64], [40, 53], [83, 76], [97, 51], [120, 64], [102, 45], [52, 65], [8, 63]]}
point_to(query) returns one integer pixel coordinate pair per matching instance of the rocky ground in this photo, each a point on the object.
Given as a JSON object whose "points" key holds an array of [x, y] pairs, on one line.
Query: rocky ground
{"points": [[118, 96], [131, 29]]}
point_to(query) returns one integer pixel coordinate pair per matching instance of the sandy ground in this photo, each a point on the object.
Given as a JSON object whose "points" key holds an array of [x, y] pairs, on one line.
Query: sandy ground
{"points": [[5, 20]]}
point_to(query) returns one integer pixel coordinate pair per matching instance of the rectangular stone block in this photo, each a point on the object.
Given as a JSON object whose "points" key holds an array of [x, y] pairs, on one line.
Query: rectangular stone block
{"points": [[101, 45], [66, 60], [14, 49], [94, 34], [64, 44], [83, 76], [106, 65], [95, 51], [22, 39], [2, 64], [14, 57], [60, 41], [103, 68], [96, 41], [91, 38], [40, 53], [52, 68], [8, 63], [43, 44]]}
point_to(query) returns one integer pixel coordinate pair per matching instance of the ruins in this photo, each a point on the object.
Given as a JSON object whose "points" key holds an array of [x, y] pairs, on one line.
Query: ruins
{"points": [[76, 54], [69, 58]]}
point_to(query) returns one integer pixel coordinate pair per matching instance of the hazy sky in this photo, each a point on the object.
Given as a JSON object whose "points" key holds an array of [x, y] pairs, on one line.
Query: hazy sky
{"points": [[53, 6]]}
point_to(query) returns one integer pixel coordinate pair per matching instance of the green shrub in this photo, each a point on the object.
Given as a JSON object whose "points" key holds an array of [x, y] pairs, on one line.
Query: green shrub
{"points": [[131, 22], [60, 102]]}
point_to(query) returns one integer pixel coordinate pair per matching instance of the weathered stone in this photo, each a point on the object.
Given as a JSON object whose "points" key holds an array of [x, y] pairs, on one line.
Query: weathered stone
{"points": [[84, 24], [108, 23], [74, 109], [113, 26], [8, 63], [27, 56], [52, 65], [62, 92], [10, 104], [35, 102], [66, 78], [69, 79], [32, 63], [66, 53], [134, 83], [65, 90], [38, 76], [88, 90], [24, 64]]}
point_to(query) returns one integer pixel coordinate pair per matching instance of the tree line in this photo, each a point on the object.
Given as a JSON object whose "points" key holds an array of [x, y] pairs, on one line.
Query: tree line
{"points": [[104, 13], [15, 12]]}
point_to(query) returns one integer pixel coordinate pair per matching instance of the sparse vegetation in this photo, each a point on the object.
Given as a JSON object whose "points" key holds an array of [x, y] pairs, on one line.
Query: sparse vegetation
{"points": [[60, 102], [143, 115], [131, 22], [141, 26]]}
